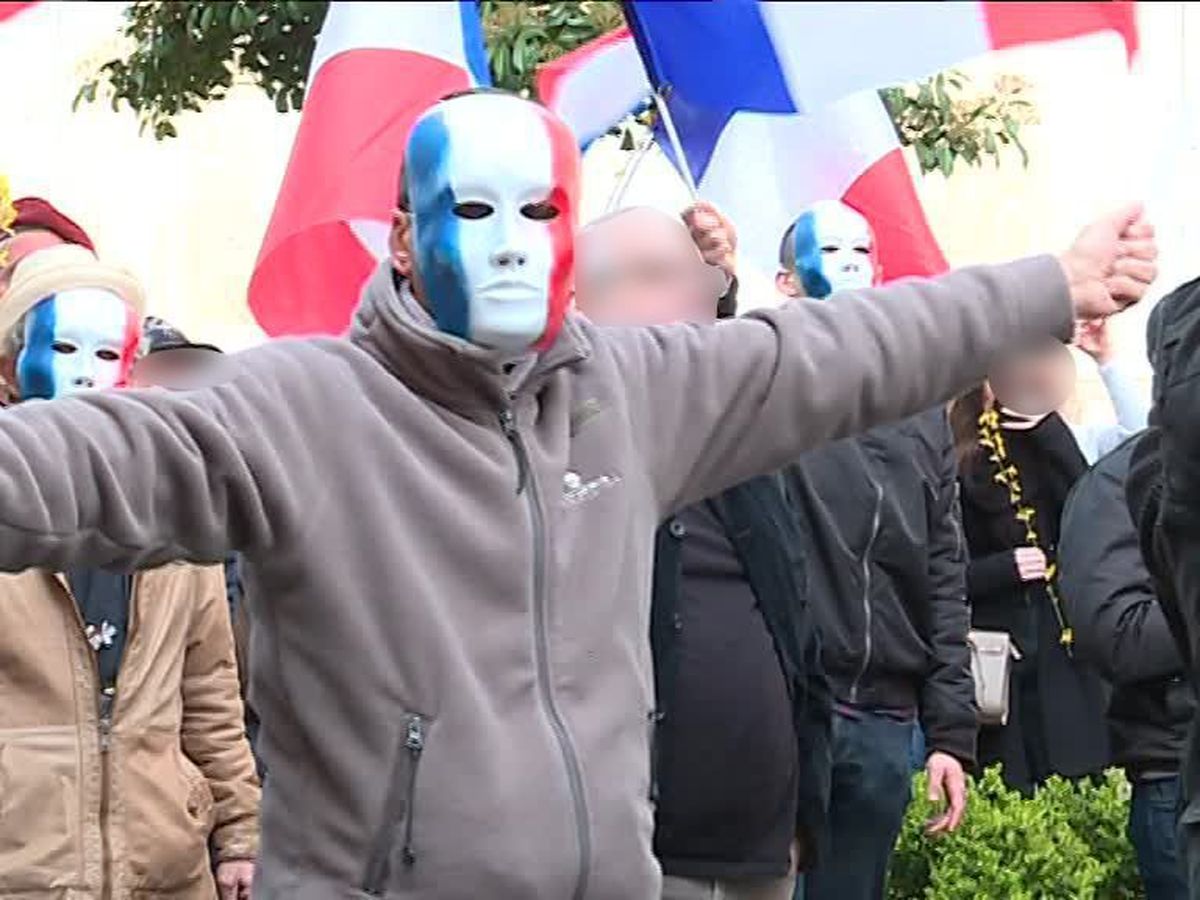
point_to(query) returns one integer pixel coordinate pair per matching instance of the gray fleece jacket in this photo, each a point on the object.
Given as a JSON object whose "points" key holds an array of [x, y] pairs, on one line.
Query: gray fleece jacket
{"points": [[452, 570]]}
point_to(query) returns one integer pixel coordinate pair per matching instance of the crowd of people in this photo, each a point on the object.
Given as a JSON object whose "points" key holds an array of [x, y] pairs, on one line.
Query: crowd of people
{"points": [[558, 578]]}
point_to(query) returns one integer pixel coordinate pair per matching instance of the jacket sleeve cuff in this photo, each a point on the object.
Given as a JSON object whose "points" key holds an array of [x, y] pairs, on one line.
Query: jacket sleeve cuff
{"points": [[230, 844], [1046, 306], [992, 574]]}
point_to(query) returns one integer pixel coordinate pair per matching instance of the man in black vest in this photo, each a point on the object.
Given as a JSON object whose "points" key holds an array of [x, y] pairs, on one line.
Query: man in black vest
{"points": [[741, 765]]}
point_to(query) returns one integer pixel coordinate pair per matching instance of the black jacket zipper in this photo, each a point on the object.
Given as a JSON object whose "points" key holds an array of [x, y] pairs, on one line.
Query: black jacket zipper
{"points": [[527, 484], [866, 596], [403, 784]]}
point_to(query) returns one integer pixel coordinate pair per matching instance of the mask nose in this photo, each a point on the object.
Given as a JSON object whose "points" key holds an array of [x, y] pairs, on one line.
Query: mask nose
{"points": [[510, 258], [83, 381]]}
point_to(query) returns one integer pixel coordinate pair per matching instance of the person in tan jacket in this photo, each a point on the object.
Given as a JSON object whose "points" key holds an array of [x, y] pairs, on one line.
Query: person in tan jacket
{"points": [[122, 751], [447, 519]]}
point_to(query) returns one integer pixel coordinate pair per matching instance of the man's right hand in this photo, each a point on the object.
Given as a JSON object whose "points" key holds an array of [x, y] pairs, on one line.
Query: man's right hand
{"points": [[1111, 263]]}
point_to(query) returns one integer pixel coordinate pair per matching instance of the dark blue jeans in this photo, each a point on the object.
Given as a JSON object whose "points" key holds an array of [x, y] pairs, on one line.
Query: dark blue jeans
{"points": [[1153, 820], [871, 789]]}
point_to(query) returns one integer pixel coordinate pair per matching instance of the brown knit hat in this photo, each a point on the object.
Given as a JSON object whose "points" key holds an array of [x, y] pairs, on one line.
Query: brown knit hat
{"points": [[63, 268]]}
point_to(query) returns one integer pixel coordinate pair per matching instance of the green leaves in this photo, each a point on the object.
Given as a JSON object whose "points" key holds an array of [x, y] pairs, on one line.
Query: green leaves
{"points": [[522, 35], [184, 55], [1067, 842], [945, 119]]}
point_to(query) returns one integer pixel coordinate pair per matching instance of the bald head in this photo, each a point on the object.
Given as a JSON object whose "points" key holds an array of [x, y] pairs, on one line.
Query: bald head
{"points": [[638, 266]]}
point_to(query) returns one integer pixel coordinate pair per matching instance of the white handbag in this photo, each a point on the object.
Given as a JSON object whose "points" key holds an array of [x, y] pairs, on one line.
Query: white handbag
{"points": [[992, 655]]}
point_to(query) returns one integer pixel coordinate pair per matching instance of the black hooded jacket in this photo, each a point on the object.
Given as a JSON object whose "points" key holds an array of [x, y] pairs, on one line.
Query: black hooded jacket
{"points": [[1119, 625], [1163, 491], [886, 561]]}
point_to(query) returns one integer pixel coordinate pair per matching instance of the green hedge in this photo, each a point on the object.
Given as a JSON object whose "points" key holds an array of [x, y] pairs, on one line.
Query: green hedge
{"points": [[1068, 842]]}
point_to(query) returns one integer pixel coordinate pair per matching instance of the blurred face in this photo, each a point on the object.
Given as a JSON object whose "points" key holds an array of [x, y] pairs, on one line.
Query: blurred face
{"points": [[641, 268], [170, 367], [1037, 382], [22, 245], [493, 182], [77, 340], [834, 250]]}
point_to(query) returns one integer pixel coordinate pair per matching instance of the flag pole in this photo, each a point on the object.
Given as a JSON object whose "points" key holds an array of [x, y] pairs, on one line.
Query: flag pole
{"points": [[660, 103], [631, 168]]}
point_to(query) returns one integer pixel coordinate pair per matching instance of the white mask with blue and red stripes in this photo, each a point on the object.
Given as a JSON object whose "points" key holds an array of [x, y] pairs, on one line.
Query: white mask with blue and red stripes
{"points": [[76, 340], [834, 250], [493, 182]]}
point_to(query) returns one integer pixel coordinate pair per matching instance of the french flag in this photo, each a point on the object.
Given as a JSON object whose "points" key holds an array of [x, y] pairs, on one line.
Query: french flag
{"points": [[375, 68], [9, 9], [803, 122]]}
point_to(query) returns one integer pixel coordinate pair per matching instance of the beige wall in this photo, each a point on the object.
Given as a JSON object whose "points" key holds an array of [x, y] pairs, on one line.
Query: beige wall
{"points": [[187, 215]]}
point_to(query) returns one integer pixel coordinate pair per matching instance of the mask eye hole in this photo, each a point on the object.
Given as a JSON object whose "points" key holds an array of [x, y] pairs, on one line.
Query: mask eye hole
{"points": [[540, 212], [108, 355], [63, 347], [830, 248], [472, 210]]}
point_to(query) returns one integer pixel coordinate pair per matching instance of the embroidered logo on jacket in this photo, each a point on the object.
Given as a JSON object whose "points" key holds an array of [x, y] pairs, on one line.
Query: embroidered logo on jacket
{"points": [[576, 490]]}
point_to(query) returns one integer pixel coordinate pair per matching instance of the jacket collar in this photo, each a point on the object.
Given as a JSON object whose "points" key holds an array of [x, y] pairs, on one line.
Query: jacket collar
{"points": [[392, 327]]}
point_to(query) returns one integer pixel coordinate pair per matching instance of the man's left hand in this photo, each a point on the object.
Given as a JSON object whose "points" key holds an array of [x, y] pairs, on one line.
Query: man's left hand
{"points": [[714, 235], [948, 786], [234, 878]]}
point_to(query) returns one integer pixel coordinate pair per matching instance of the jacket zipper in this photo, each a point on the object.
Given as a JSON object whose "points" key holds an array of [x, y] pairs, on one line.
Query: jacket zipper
{"points": [[527, 484], [866, 595], [403, 782], [106, 699]]}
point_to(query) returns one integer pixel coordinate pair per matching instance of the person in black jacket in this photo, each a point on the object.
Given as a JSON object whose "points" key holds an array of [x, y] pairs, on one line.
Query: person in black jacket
{"points": [[741, 750], [1120, 628], [1011, 513], [886, 567], [1163, 492]]}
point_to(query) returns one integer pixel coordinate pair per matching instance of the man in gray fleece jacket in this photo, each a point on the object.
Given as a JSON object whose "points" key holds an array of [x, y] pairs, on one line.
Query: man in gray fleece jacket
{"points": [[456, 537]]}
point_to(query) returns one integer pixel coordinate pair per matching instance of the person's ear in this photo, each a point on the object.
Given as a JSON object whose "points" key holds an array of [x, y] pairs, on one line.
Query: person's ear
{"points": [[786, 284], [9, 393], [400, 243]]}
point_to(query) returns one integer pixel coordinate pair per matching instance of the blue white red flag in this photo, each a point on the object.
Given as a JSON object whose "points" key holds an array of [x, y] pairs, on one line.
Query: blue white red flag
{"points": [[375, 68]]}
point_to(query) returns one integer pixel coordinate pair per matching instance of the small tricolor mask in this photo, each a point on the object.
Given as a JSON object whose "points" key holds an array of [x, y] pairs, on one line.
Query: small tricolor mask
{"points": [[834, 250], [77, 339]]}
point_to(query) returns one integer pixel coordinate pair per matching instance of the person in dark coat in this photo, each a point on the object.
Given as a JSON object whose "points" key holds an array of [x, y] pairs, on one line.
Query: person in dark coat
{"points": [[1057, 701], [886, 568], [1163, 493], [1120, 628], [741, 756]]}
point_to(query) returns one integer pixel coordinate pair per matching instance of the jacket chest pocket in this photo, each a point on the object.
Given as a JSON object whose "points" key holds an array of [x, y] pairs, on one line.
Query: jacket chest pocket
{"points": [[397, 820]]}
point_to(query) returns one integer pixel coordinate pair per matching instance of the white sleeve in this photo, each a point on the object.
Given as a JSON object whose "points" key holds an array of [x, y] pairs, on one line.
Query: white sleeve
{"points": [[1129, 399], [1132, 405]]}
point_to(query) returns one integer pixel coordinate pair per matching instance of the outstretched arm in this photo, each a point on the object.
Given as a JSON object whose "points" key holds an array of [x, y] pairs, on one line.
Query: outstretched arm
{"points": [[716, 405], [138, 478]]}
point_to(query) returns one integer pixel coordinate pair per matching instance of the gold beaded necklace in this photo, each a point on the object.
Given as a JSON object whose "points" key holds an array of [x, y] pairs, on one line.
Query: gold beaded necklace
{"points": [[1006, 475]]}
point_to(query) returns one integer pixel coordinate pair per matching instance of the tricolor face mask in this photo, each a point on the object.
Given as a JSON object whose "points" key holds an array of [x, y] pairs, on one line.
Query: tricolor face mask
{"points": [[835, 250], [492, 183], [76, 340]]}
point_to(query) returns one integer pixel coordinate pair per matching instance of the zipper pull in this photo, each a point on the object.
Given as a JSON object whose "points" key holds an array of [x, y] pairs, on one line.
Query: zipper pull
{"points": [[508, 425], [107, 696], [414, 742]]}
